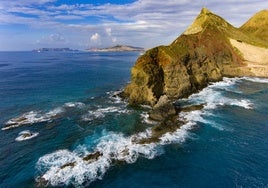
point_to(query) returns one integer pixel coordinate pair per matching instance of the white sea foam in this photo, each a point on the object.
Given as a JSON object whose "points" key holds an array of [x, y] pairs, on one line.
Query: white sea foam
{"points": [[74, 105], [26, 118], [101, 112], [178, 136], [26, 135], [114, 96], [112, 147], [54, 168], [256, 79], [146, 119], [212, 96], [54, 112], [33, 117]]}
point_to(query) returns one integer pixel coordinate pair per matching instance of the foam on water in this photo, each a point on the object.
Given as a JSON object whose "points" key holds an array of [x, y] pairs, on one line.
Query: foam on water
{"points": [[256, 79], [101, 112], [74, 105], [26, 135], [112, 147], [146, 119], [26, 118], [115, 96], [33, 117], [212, 96]]}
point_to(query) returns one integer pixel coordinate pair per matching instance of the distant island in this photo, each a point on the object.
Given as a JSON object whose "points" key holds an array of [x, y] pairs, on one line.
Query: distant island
{"points": [[54, 50], [117, 48]]}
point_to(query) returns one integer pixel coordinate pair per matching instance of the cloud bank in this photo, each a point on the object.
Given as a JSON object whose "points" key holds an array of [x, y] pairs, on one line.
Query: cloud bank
{"points": [[144, 23]]}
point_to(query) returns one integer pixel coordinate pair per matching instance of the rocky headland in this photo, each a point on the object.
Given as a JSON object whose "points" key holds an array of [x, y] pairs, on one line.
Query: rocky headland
{"points": [[209, 49]]}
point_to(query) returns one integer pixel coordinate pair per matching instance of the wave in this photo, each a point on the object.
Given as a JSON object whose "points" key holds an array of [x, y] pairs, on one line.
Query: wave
{"points": [[74, 105], [66, 167], [26, 118], [146, 119], [34, 117], [212, 96], [115, 98], [83, 165], [101, 112], [256, 79], [26, 135]]}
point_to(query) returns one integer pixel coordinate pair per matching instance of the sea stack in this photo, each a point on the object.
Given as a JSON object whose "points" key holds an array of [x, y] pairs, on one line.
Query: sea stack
{"points": [[209, 49]]}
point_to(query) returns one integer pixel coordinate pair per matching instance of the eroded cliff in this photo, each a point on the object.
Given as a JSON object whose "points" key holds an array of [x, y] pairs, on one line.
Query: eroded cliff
{"points": [[202, 54]]}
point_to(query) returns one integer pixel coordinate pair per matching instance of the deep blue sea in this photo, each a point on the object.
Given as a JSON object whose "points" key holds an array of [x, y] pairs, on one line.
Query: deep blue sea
{"points": [[66, 105]]}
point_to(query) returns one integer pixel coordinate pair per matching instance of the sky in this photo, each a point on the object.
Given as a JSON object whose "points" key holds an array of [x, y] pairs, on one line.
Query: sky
{"points": [[83, 24]]}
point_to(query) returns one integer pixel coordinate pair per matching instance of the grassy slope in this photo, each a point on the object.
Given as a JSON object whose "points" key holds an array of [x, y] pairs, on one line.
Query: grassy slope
{"points": [[257, 26]]}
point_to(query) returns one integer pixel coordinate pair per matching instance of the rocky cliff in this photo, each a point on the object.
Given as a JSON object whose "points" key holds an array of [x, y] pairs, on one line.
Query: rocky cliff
{"points": [[202, 54]]}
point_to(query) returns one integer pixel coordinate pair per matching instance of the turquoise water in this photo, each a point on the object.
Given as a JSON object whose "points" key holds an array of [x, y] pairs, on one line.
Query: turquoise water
{"points": [[68, 102]]}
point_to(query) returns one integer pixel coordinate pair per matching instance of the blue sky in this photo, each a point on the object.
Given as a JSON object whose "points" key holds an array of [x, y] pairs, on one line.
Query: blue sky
{"points": [[81, 24]]}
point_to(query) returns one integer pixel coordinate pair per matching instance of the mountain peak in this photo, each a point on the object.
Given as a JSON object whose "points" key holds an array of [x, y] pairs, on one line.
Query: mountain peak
{"points": [[198, 24], [207, 18], [205, 11]]}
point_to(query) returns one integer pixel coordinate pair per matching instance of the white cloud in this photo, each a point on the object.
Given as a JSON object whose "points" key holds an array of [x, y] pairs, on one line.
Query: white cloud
{"points": [[54, 39], [114, 40], [108, 31], [95, 37]]}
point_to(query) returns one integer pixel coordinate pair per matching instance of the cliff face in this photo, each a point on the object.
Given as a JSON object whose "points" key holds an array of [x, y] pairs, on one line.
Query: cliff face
{"points": [[202, 54]]}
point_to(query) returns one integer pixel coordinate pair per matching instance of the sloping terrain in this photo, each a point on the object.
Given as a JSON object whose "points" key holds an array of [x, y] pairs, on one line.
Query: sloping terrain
{"points": [[202, 54]]}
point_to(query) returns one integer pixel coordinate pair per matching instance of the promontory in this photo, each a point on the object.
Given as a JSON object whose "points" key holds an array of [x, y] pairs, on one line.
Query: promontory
{"points": [[210, 49]]}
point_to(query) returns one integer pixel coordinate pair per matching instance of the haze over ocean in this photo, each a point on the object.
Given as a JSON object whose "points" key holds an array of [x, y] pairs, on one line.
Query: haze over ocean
{"points": [[69, 99]]}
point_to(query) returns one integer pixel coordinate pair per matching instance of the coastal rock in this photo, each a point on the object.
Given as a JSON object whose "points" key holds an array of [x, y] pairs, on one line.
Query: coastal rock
{"points": [[202, 54]]}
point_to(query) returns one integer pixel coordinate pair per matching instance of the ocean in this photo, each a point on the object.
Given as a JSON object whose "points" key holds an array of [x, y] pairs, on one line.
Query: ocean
{"points": [[63, 125]]}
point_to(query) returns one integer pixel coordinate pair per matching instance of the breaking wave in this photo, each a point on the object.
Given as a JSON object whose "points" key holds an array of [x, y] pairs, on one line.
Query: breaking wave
{"points": [[66, 167], [102, 112], [33, 117], [26, 135]]}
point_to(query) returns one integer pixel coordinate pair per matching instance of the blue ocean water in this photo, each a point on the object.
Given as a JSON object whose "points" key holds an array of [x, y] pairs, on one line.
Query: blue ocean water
{"points": [[68, 102]]}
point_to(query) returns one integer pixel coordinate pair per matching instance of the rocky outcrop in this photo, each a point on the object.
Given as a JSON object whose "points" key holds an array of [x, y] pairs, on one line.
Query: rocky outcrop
{"points": [[202, 54]]}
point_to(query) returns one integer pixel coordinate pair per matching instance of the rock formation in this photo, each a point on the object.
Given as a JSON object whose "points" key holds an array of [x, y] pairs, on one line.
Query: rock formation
{"points": [[202, 54]]}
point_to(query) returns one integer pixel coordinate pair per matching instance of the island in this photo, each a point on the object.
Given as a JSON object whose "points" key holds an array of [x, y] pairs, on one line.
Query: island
{"points": [[117, 48]]}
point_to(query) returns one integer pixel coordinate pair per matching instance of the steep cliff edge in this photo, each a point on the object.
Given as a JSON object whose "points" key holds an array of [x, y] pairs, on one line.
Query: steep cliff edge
{"points": [[202, 54]]}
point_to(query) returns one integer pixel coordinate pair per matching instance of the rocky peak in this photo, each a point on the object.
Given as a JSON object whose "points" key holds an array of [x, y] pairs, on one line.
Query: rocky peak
{"points": [[207, 18], [205, 11]]}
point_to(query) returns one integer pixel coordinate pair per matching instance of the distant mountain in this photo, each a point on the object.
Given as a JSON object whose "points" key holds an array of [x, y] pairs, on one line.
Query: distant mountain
{"points": [[54, 50], [117, 48]]}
